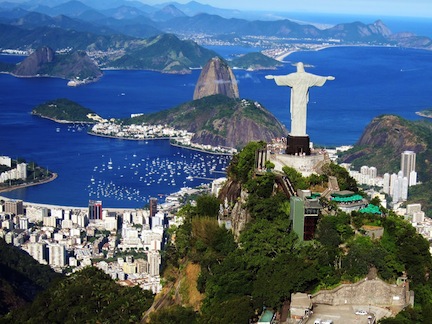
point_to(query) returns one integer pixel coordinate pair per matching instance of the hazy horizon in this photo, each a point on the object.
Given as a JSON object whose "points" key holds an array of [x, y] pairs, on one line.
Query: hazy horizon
{"points": [[397, 8], [400, 8]]}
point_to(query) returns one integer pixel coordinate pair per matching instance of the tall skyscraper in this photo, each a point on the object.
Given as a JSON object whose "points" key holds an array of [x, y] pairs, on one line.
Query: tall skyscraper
{"points": [[386, 183], [56, 255], [154, 260], [393, 179], [95, 209], [408, 163]]}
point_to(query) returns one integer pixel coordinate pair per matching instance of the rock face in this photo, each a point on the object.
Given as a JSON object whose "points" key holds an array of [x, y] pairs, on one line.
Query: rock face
{"points": [[236, 197], [391, 131], [216, 78], [45, 62], [32, 64]]}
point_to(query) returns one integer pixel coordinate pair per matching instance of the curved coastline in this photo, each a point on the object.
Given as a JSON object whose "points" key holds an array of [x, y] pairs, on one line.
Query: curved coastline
{"points": [[199, 150], [129, 138], [161, 138], [30, 184], [62, 121], [282, 56]]}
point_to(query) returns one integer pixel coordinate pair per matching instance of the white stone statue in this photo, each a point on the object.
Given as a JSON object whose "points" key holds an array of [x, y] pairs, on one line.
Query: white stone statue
{"points": [[300, 82]]}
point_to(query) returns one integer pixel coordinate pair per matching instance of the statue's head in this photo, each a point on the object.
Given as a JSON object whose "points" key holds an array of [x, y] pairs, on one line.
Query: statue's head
{"points": [[300, 67]]}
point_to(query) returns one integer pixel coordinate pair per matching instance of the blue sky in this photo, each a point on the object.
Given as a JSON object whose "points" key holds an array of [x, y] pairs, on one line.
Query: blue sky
{"points": [[410, 8]]}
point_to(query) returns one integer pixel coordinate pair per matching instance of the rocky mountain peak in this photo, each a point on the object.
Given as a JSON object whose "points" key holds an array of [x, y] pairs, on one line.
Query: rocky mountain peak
{"points": [[31, 65], [380, 28], [44, 61], [216, 78]]}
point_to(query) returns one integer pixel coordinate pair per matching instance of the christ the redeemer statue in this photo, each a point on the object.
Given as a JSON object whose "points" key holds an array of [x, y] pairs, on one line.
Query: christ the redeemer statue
{"points": [[300, 82]]}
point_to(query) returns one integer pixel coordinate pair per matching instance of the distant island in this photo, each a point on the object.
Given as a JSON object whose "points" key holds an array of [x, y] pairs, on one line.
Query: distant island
{"points": [[255, 61], [66, 111]]}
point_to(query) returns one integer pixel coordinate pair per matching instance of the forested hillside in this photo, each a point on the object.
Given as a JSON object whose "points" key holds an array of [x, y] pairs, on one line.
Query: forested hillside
{"points": [[87, 296], [238, 278]]}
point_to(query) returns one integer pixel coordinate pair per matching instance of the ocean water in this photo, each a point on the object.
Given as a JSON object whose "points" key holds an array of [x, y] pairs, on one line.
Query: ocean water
{"points": [[370, 81]]}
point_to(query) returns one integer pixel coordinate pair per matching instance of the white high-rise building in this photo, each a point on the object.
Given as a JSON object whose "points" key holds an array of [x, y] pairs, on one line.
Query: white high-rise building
{"points": [[6, 160], [372, 172], [22, 171], [404, 189], [50, 221], [364, 169], [386, 183], [393, 179], [23, 223], [395, 193], [38, 251], [408, 163], [36, 214], [154, 260], [412, 178], [57, 255]]}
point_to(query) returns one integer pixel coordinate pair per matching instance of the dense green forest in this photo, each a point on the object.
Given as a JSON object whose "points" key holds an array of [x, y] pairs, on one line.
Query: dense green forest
{"points": [[21, 277], [64, 109], [87, 296], [239, 278], [255, 60]]}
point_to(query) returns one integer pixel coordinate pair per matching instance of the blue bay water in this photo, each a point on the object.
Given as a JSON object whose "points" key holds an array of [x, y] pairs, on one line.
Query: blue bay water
{"points": [[369, 82]]}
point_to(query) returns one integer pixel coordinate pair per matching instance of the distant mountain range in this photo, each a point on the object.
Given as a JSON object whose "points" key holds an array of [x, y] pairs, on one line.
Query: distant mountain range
{"points": [[126, 34], [133, 18]]}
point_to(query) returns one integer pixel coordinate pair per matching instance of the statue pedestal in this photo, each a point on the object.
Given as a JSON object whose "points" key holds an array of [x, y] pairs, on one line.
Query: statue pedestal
{"points": [[298, 145]]}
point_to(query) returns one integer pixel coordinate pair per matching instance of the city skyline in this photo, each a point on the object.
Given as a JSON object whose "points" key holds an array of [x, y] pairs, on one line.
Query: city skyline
{"points": [[402, 8]]}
